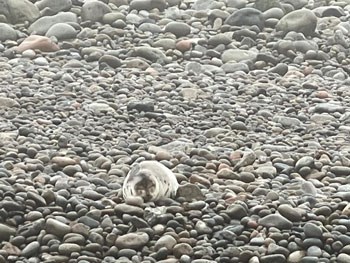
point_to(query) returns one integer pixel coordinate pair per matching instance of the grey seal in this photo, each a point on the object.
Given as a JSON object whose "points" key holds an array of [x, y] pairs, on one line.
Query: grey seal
{"points": [[151, 180]]}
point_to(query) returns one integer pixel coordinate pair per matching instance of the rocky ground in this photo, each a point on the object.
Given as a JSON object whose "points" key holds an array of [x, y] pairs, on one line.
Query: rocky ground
{"points": [[246, 101]]}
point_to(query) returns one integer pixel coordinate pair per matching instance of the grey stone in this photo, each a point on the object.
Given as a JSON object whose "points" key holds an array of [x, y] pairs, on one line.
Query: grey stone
{"points": [[132, 240], [237, 211], [31, 249], [285, 46], [182, 249], [248, 158], [7, 32], [308, 259], [303, 21], [190, 192], [297, 4], [152, 54], [146, 106], [231, 67], [343, 258], [312, 230], [237, 55], [246, 17], [93, 195], [19, 11], [340, 170], [111, 61], [305, 161], [275, 220], [264, 5], [296, 256], [314, 251], [329, 108], [89, 221], [6, 232], [179, 29], [68, 248], [53, 7], [266, 171], [148, 5], [150, 27], [8, 102], [94, 11], [61, 31], [56, 227], [289, 212], [63, 161], [43, 24], [166, 241], [128, 209], [203, 4], [219, 39], [287, 122], [165, 43], [70, 170], [203, 228], [237, 3], [276, 258], [100, 107]]}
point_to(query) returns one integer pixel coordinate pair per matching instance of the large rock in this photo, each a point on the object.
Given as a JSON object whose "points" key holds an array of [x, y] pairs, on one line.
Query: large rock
{"points": [[237, 55], [264, 5], [94, 11], [132, 240], [53, 7], [148, 5], [284, 46], [6, 232], [151, 54], [62, 31], [42, 43], [18, 11], [43, 24], [7, 32], [179, 29], [303, 21], [298, 4], [246, 17], [275, 220], [203, 4], [56, 227]]}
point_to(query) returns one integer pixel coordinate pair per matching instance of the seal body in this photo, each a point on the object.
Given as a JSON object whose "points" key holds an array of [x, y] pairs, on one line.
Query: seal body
{"points": [[151, 180]]}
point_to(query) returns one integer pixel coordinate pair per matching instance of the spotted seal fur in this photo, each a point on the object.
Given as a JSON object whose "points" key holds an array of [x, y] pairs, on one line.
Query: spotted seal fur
{"points": [[151, 180]]}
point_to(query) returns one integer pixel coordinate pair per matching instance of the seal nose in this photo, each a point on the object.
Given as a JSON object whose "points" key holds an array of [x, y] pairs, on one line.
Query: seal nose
{"points": [[147, 197]]}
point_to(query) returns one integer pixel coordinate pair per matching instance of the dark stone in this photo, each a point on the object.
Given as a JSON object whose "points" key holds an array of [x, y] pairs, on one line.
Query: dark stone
{"points": [[246, 17]]}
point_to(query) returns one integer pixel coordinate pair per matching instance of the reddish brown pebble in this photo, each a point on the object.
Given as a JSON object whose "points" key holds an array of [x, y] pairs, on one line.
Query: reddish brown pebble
{"points": [[195, 178], [184, 45], [252, 224], [222, 166], [322, 94]]}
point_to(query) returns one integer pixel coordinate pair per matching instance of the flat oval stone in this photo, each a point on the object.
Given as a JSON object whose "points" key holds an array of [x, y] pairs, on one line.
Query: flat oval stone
{"points": [[275, 220], [289, 212], [68, 248], [56, 227], [132, 240]]}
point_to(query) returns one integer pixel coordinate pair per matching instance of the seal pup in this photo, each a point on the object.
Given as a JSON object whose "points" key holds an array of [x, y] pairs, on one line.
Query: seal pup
{"points": [[151, 180]]}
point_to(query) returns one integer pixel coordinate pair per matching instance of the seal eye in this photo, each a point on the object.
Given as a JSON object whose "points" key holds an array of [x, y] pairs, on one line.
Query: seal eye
{"points": [[152, 188], [141, 191]]}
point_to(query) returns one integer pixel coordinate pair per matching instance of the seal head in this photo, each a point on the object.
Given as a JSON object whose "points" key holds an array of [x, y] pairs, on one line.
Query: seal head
{"points": [[151, 180]]}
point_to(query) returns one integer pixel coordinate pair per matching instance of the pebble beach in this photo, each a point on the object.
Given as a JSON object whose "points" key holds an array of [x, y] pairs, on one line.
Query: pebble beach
{"points": [[247, 102]]}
